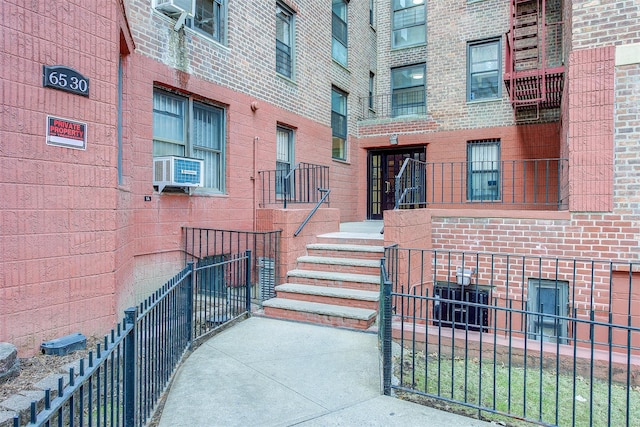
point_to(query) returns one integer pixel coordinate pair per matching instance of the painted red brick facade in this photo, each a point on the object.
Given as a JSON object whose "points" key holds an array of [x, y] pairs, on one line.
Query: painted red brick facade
{"points": [[85, 234]]}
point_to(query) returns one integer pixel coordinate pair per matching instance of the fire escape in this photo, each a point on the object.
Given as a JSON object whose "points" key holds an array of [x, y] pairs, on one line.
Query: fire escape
{"points": [[534, 70]]}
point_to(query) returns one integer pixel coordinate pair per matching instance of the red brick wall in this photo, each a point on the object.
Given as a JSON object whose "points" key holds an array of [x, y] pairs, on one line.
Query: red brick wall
{"points": [[542, 237], [590, 129], [604, 23], [516, 142], [58, 205], [325, 220], [250, 147]]}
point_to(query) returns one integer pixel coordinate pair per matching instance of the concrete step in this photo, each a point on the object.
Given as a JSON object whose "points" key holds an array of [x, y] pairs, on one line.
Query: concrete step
{"points": [[329, 295], [344, 265], [354, 239], [326, 314], [336, 250], [365, 282]]}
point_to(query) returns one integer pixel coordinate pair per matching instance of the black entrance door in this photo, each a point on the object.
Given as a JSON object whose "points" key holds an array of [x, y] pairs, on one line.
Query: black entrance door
{"points": [[384, 165]]}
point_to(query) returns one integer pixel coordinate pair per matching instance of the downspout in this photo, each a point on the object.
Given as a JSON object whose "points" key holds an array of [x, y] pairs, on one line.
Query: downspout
{"points": [[253, 179]]}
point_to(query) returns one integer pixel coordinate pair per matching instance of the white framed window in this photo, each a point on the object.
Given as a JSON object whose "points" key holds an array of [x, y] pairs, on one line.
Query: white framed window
{"points": [[284, 40], [338, 124], [483, 170], [210, 19], [409, 23], [339, 31], [483, 70], [188, 128], [408, 91], [284, 160]]}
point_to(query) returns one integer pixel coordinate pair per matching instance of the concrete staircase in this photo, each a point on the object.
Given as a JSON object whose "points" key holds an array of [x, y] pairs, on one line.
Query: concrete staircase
{"points": [[337, 283]]}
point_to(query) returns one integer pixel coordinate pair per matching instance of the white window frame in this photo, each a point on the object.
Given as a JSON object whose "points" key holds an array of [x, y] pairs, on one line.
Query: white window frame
{"points": [[199, 22], [483, 170], [184, 142]]}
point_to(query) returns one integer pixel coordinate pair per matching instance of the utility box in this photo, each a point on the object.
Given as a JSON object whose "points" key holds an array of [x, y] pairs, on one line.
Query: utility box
{"points": [[463, 276], [64, 345]]}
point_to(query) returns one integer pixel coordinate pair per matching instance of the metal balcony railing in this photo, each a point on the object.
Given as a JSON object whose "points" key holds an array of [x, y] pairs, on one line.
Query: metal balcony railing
{"points": [[515, 184], [304, 183], [400, 103]]}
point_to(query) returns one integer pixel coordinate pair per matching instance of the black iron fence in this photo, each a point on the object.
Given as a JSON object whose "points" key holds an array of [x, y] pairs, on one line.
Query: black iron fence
{"points": [[547, 340], [304, 183], [205, 246], [521, 184], [121, 382]]}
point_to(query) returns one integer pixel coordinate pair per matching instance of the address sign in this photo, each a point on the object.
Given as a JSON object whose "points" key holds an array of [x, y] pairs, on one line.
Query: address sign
{"points": [[65, 78]]}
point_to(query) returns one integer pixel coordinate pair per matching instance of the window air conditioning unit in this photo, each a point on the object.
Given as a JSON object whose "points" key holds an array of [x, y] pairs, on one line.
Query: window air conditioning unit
{"points": [[174, 171], [176, 7]]}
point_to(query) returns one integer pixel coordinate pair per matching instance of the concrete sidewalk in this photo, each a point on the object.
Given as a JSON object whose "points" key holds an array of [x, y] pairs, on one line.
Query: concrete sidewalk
{"points": [[265, 372]]}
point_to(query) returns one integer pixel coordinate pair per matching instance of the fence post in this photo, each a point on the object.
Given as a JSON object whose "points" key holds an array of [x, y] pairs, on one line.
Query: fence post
{"points": [[248, 282], [129, 386], [386, 338], [190, 314]]}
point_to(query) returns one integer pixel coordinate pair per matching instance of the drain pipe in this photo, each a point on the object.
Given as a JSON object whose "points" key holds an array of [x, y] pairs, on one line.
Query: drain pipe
{"points": [[253, 179]]}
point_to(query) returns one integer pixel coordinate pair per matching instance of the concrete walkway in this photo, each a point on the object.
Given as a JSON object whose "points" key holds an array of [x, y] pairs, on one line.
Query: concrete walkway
{"points": [[265, 372]]}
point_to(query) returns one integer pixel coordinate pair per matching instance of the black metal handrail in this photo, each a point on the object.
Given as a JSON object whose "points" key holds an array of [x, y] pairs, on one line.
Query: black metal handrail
{"points": [[529, 183], [296, 185], [325, 193]]}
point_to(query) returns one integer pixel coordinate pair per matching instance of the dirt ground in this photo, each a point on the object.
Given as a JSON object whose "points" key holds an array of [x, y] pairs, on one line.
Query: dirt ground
{"points": [[36, 368]]}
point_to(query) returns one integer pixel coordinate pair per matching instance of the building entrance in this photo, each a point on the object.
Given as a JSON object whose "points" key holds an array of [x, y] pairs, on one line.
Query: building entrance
{"points": [[383, 166]]}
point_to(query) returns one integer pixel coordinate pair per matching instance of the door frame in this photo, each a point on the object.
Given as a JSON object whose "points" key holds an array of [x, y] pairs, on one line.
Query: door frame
{"points": [[380, 186]]}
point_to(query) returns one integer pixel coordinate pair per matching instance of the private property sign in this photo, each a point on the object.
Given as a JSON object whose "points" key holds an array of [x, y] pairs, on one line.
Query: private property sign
{"points": [[66, 133]]}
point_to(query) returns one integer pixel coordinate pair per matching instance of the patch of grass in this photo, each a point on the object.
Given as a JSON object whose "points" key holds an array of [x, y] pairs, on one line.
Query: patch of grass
{"points": [[541, 396]]}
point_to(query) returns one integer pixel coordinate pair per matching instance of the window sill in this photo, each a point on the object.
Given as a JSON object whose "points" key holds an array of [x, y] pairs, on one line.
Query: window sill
{"points": [[413, 46], [341, 65], [286, 79], [344, 162], [484, 101]]}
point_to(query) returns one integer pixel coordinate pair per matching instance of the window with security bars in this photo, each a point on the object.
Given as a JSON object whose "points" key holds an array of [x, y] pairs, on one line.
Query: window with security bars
{"points": [[409, 23], [284, 161], [408, 93], [483, 170], [339, 31], [338, 124], [209, 18], [284, 40], [187, 128]]}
